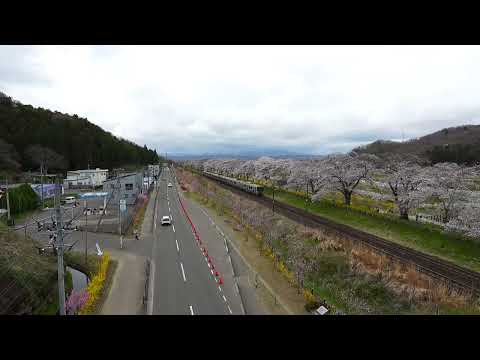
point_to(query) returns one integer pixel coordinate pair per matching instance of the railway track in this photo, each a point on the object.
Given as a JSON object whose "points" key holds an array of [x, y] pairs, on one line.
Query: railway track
{"points": [[431, 265]]}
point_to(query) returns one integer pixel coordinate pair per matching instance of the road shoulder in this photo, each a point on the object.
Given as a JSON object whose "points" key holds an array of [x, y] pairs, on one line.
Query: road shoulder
{"points": [[276, 295]]}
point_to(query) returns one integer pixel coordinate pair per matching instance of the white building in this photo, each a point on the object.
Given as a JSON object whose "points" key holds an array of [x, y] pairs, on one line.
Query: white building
{"points": [[153, 170], [89, 177]]}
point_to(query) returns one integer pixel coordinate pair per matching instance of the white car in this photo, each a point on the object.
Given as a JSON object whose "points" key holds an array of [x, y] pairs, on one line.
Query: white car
{"points": [[166, 220], [170, 185]]}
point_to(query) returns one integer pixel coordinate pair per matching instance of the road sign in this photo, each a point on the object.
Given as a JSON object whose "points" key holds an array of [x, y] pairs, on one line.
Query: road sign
{"points": [[322, 310], [99, 252], [123, 205]]}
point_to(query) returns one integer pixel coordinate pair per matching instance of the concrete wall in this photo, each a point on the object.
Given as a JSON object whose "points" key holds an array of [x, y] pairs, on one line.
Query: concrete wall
{"points": [[131, 186]]}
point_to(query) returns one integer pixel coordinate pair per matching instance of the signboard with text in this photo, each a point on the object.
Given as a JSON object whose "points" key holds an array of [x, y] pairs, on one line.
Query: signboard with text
{"points": [[123, 205]]}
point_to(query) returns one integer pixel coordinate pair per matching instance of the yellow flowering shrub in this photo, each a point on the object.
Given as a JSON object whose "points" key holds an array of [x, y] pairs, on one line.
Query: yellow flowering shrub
{"points": [[308, 295], [94, 288]]}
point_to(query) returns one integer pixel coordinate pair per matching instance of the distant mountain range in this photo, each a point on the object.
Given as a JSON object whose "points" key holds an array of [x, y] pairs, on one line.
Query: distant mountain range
{"points": [[247, 155], [460, 144]]}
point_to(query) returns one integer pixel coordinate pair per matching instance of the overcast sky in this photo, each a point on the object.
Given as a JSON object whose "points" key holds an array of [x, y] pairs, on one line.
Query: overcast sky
{"points": [[196, 99]]}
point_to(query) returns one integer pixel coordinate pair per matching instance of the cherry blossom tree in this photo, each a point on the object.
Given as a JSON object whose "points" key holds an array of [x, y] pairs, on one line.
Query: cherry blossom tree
{"points": [[468, 220], [344, 173], [449, 187], [407, 183], [76, 301]]}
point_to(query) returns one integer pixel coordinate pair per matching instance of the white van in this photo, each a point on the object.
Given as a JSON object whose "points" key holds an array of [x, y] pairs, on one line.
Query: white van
{"points": [[69, 200]]}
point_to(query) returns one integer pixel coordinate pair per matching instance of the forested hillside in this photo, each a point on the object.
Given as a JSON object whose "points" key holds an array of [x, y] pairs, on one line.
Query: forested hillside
{"points": [[459, 144], [70, 142]]}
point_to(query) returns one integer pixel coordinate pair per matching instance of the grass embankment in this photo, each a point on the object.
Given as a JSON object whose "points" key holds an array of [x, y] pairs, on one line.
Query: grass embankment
{"points": [[138, 220], [424, 237], [28, 279]]}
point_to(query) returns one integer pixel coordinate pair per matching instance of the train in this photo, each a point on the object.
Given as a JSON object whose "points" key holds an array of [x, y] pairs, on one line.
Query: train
{"points": [[243, 185]]}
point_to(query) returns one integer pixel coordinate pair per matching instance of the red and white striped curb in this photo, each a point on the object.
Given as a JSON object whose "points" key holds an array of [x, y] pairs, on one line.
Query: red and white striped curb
{"points": [[214, 272]]}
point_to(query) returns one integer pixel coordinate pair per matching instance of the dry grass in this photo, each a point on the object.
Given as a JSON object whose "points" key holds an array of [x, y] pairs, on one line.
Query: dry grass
{"points": [[407, 280]]}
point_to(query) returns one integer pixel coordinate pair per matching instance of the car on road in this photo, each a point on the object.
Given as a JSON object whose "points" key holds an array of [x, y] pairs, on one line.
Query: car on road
{"points": [[69, 200], [166, 220], [170, 185]]}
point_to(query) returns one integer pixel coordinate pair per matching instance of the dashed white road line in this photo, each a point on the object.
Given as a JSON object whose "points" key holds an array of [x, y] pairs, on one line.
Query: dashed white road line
{"points": [[224, 298], [230, 310], [183, 273], [173, 227], [191, 310], [176, 242]]}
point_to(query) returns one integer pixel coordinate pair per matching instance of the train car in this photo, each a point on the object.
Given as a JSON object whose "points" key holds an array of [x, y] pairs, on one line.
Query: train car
{"points": [[243, 185]]}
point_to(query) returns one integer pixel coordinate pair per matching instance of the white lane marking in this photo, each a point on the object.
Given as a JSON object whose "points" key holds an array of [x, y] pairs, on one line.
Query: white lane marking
{"points": [[206, 260], [229, 259], [230, 310], [211, 271], [224, 298], [169, 210], [191, 310], [183, 273], [176, 242], [220, 288], [173, 227]]}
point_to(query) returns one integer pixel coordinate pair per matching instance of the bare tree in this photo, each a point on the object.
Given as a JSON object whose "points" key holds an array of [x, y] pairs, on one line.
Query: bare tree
{"points": [[45, 158], [9, 158]]}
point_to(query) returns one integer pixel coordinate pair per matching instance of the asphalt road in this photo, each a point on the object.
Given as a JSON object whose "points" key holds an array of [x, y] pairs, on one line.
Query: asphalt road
{"points": [[182, 281]]}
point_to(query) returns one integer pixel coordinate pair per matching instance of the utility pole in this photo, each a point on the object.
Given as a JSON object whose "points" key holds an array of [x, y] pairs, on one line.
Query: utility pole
{"points": [[86, 233], [59, 244], [273, 202], [41, 180], [306, 203], [8, 201], [120, 214]]}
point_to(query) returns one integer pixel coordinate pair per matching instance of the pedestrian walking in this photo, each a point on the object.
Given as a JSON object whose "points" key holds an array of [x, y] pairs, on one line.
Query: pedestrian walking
{"points": [[135, 232]]}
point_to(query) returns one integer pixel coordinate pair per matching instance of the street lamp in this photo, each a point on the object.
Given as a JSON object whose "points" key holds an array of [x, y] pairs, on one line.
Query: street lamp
{"points": [[306, 204], [273, 193]]}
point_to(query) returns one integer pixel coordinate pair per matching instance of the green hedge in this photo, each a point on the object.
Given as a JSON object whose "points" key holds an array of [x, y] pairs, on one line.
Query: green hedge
{"points": [[22, 198]]}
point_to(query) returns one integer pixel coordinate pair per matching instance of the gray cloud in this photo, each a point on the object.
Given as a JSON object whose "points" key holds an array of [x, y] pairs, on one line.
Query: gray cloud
{"points": [[18, 67], [312, 99]]}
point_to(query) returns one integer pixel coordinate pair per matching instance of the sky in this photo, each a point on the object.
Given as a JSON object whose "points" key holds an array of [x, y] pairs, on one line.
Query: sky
{"points": [[233, 99]]}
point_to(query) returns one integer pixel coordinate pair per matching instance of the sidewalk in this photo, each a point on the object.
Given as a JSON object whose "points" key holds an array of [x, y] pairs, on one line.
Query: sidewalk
{"points": [[126, 294]]}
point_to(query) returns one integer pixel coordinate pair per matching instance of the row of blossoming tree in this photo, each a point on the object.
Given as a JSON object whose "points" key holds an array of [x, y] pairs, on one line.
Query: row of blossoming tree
{"points": [[449, 189]]}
